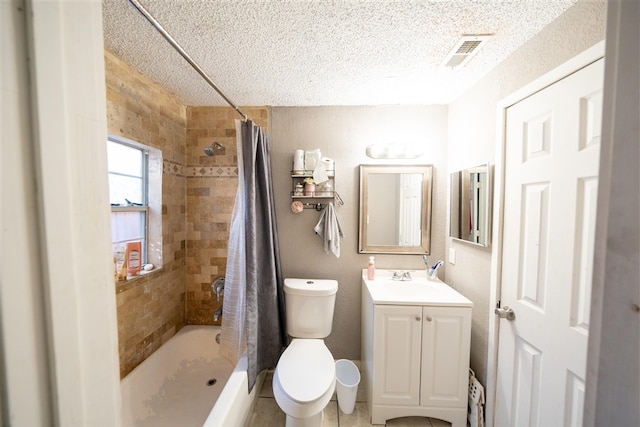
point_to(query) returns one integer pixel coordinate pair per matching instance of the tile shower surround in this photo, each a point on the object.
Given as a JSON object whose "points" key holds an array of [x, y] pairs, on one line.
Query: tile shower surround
{"points": [[198, 193], [211, 189]]}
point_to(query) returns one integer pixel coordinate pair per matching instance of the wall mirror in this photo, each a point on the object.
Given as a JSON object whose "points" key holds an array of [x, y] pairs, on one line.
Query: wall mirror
{"points": [[395, 209], [471, 205]]}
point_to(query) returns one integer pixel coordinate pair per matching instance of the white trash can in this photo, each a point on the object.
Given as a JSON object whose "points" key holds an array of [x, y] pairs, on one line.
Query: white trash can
{"points": [[347, 380]]}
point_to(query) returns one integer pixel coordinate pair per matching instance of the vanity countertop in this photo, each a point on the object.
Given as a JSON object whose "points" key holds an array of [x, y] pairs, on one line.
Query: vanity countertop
{"points": [[417, 291]]}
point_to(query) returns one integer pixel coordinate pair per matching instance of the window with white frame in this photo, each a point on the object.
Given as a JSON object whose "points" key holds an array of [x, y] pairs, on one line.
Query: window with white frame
{"points": [[128, 177], [133, 210]]}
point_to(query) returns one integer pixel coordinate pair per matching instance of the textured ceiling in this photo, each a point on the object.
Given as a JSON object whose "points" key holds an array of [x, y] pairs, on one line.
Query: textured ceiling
{"points": [[321, 52]]}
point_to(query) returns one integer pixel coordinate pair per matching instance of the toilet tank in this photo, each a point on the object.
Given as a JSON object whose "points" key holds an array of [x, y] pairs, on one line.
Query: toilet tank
{"points": [[309, 304]]}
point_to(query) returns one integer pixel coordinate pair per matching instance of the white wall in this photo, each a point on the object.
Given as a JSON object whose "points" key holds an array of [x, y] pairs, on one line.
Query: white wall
{"points": [[343, 133], [473, 136]]}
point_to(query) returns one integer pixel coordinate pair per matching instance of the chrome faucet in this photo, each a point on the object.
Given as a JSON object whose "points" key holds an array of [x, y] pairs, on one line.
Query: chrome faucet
{"points": [[217, 287], [401, 275], [217, 314]]}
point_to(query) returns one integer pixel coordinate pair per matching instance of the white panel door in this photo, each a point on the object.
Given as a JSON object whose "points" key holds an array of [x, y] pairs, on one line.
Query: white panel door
{"points": [[551, 173]]}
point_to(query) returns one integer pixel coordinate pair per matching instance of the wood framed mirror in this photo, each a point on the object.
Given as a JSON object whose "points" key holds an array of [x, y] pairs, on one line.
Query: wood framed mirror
{"points": [[395, 209]]}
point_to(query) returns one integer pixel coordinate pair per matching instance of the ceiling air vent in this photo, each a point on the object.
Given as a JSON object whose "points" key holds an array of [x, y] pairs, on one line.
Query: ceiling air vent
{"points": [[465, 49]]}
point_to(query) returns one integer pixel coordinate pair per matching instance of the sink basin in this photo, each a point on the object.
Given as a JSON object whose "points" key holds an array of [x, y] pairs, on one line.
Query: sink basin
{"points": [[419, 290]]}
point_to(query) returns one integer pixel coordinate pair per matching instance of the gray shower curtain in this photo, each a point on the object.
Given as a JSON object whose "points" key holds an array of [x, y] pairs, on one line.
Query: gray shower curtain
{"points": [[264, 321]]}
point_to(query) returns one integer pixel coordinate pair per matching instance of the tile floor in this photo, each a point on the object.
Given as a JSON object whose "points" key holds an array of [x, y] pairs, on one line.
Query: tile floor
{"points": [[267, 413]]}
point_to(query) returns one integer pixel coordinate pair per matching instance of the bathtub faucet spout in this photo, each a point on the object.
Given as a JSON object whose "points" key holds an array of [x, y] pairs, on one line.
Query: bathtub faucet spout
{"points": [[217, 314]]}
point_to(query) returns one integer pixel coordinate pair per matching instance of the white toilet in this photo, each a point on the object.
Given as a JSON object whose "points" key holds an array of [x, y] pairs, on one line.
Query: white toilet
{"points": [[305, 377]]}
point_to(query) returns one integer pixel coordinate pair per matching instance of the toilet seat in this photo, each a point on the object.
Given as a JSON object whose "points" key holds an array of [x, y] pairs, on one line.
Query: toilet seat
{"points": [[305, 378]]}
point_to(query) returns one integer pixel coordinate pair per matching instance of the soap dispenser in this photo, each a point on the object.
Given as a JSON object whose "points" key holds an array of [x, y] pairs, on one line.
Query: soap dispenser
{"points": [[371, 269]]}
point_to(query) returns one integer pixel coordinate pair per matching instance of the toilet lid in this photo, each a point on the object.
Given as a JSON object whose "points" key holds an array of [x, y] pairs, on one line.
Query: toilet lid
{"points": [[306, 370]]}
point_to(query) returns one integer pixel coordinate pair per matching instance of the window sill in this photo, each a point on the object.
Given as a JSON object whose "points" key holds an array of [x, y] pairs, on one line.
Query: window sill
{"points": [[123, 285]]}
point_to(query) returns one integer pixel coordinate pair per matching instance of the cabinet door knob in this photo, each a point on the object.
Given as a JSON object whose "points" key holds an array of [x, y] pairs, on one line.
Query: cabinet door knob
{"points": [[429, 318], [418, 318]]}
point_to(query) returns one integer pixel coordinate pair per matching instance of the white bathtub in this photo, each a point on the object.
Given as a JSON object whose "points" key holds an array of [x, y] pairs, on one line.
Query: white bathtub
{"points": [[171, 388]]}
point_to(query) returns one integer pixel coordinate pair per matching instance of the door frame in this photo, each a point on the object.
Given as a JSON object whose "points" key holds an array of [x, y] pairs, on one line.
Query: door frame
{"points": [[58, 302], [574, 64]]}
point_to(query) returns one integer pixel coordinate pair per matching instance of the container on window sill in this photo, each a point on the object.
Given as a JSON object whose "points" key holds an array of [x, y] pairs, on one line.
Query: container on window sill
{"points": [[133, 258]]}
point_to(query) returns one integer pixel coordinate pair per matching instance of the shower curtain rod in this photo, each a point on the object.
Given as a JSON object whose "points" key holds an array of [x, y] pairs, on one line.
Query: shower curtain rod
{"points": [[185, 55]]}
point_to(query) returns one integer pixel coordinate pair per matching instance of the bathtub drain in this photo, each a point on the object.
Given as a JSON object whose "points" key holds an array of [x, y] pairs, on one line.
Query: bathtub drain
{"points": [[211, 382]]}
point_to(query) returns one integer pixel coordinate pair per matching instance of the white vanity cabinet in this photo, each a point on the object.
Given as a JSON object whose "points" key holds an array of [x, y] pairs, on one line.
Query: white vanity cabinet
{"points": [[415, 350]]}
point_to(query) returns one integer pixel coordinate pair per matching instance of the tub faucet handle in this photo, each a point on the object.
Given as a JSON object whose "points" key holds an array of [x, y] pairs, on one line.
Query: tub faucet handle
{"points": [[217, 286]]}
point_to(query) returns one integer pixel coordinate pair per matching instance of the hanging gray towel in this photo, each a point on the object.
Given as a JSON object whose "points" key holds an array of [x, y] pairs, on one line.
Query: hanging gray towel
{"points": [[328, 227]]}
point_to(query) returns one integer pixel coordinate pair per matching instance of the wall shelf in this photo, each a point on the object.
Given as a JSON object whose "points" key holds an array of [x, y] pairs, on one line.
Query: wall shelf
{"points": [[323, 193]]}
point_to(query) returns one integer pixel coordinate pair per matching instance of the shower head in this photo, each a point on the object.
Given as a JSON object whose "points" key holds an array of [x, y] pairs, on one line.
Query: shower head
{"points": [[213, 149]]}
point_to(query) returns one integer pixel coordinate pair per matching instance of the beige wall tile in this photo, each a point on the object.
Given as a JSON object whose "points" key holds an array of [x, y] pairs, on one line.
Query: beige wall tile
{"points": [[211, 190], [198, 194], [151, 309]]}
